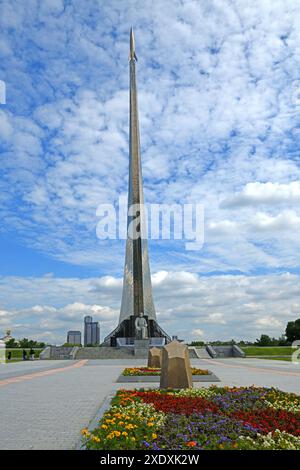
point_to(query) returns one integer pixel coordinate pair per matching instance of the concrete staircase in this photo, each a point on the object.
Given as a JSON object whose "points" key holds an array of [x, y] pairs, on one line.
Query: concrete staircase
{"points": [[225, 351], [56, 352], [104, 353], [198, 353]]}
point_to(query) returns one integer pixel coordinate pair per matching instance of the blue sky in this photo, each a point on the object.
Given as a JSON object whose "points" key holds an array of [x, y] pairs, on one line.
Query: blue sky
{"points": [[219, 102]]}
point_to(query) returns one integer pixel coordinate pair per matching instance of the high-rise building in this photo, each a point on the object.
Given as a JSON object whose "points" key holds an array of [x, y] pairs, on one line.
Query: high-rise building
{"points": [[74, 337], [91, 332], [137, 291]]}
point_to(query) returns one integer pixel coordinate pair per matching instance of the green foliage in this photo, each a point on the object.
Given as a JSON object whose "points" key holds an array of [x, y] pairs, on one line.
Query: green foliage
{"points": [[30, 343], [197, 343], [11, 343], [24, 343], [265, 340], [17, 353], [223, 343], [292, 331]]}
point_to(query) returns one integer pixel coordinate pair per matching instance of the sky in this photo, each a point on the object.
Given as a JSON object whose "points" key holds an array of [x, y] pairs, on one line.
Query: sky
{"points": [[219, 107]]}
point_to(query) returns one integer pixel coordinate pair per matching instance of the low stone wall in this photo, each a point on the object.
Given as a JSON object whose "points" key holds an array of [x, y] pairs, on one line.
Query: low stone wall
{"points": [[46, 353], [211, 351], [238, 352], [56, 352], [105, 352], [198, 353], [225, 351]]}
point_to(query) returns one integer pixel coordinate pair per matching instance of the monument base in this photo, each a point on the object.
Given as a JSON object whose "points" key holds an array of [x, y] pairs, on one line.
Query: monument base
{"points": [[141, 347], [124, 334]]}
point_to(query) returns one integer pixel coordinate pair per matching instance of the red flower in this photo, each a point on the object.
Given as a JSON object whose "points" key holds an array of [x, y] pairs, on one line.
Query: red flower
{"points": [[269, 420], [176, 404]]}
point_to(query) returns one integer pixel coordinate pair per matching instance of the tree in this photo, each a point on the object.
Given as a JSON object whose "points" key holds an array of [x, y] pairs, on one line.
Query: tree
{"points": [[30, 343], [264, 340], [11, 343], [24, 344], [197, 343], [292, 331], [282, 341]]}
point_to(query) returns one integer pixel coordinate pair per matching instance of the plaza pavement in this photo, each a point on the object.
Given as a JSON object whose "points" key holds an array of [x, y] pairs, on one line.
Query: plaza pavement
{"points": [[45, 404]]}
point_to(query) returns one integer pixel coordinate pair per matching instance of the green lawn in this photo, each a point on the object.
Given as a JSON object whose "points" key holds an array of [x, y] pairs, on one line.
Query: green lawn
{"points": [[17, 354], [268, 351]]}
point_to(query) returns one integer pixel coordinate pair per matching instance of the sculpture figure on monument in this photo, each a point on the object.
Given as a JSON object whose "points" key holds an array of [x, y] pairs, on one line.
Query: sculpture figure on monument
{"points": [[141, 327]]}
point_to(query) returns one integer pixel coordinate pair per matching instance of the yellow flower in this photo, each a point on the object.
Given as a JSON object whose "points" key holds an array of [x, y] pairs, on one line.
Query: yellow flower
{"points": [[117, 433], [154, 436], [85, 433], [150, 425], [129, 426], [96, 439], [133, 438], [104, 426], [120, 423], [124, 433]]}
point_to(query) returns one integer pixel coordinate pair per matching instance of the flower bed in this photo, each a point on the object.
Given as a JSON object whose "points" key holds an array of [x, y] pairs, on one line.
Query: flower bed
{"points": [[146, 371], [205, 418]]}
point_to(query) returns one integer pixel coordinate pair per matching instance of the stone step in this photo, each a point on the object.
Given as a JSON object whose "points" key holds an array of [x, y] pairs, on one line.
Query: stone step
{"points": [[198, 353], [103, 353]]}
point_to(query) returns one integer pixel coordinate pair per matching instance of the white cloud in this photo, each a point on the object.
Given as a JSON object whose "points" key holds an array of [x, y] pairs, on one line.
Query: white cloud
{"points": [[218, 123], [216, 318], [218, 120], [257, 193], [269, 322], [287, 220], [221, 307], [198, 333]]}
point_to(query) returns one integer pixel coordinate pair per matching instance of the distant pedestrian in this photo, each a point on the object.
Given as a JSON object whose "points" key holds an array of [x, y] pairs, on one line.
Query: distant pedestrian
{"points": [[9, 355], [31, 354], [24, 355]]}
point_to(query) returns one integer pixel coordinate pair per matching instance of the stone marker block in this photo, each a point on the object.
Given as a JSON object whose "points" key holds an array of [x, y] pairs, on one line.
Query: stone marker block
{"points": [[176, 367], [141, 347], [154, 357]]}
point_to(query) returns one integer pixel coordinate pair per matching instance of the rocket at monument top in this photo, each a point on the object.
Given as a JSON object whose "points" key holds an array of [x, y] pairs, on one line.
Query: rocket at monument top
{"points": [[132, 55]]}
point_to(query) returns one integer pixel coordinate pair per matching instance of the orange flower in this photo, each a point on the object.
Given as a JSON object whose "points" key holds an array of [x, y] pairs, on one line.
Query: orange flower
{"points": [[191, 444]]}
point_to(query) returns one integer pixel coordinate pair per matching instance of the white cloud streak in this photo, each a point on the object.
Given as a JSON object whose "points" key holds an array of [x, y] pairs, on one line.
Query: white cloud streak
{"points": [[187, 304]]}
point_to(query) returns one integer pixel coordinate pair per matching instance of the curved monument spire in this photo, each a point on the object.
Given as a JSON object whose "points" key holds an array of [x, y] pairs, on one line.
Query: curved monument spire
{"points": [[137, 290]]}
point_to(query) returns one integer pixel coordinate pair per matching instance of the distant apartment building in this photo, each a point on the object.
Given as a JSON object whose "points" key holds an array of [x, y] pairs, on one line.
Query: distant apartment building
{"points": [[91, 332], [74, 337]]}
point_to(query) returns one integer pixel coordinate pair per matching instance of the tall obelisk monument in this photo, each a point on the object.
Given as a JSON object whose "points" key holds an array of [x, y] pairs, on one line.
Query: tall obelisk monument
{"points": [[137, 290]]}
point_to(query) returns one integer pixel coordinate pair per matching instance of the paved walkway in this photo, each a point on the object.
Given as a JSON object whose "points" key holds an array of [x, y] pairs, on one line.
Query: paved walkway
{"points": [[48, 412], [259, 372], [45, 404]]}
